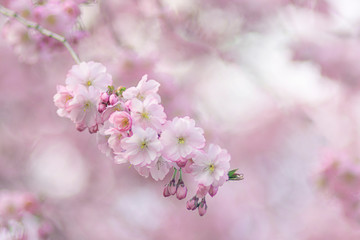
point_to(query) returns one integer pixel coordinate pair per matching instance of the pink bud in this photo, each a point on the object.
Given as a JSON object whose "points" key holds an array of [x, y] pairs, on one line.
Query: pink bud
{"points": [[113, 99], [104, 97], [192, 203], [101, 107], [93, 129], [213, 190], [172, 187], [181, 190], [202, 207], [166, 191], [181, 163], [80, 126]]}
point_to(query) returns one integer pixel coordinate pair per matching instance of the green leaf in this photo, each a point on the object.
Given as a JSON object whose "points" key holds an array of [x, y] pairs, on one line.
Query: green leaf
{"points": [[232, 172], [233, 176], [110, 89], [120, 91]]}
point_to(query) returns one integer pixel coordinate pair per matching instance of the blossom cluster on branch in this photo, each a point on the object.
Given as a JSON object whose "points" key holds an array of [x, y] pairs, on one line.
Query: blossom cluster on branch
{"points": [[59, 16], [132, 128]]}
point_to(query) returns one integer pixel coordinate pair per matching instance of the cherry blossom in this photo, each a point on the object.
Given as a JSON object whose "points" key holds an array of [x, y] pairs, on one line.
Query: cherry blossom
{"points": [[89, 74], [181, 138], [143, 147], [121, 120], [211, 167], [144, 89], [83, 107], [148, 113]]}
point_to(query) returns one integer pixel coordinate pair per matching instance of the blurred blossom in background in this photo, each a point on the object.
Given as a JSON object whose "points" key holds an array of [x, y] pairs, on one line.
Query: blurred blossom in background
{"points": [[275, 82]]}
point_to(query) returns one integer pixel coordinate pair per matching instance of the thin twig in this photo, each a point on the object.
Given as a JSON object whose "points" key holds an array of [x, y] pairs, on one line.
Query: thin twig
{"points": [[29, 24]]}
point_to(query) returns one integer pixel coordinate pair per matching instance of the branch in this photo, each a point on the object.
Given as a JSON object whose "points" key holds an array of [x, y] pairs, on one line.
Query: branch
{"points": [[40, 29]]}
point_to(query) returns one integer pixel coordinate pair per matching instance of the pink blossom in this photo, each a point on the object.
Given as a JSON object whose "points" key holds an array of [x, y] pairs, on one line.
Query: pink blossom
{"points": [[181, 138], [62, 99], [211, 167], [89, 74], [148, 113], [121, 120], [103, 145], [57, 16], [144, 89], [22, 40], [143, 147], [83, 107], [110, 109], [114, 139], [160, 168]]}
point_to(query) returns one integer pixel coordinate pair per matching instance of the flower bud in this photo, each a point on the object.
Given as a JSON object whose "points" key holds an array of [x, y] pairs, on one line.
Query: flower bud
{"points": [[202, 207], [93, 129], [172, 187], [213, 190], [181, 163], [104, 97], [192, 204], [80, 126], [113, 99], [101, 107], [166, 191], [181, 190]]}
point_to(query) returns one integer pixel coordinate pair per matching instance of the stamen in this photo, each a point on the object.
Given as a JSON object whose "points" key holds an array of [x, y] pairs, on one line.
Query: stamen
{"points": [[212, 168], [143, 145], [145, 115]]}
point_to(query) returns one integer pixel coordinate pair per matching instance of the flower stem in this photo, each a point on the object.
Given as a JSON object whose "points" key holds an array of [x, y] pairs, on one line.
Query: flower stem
{"points": [[180, 172], [29, 24], [174, 174]]}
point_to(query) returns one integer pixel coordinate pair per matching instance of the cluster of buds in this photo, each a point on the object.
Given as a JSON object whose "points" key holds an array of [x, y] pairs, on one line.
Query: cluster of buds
{"points": [[59, 16], [179, 188], [20, 217], [340, 175], [132, 128]]}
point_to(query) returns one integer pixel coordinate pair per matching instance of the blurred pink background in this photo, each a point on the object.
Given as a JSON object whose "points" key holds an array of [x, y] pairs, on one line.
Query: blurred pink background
{"points": [[274, 82]]}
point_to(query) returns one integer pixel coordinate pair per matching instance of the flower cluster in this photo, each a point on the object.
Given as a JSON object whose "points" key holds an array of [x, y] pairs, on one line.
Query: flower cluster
{"points": [[133, 128], [340, 175], [59, 16], [20, 217]]}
